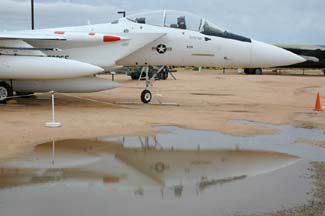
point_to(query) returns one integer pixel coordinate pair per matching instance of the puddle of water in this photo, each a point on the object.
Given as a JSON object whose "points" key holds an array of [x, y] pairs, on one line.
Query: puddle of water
{"points": [[111, 163], [185, 172], [283, 141]]}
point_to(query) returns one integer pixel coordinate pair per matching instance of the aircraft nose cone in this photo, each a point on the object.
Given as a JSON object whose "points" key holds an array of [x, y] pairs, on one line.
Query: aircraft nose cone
{"points": [[266, 55]]}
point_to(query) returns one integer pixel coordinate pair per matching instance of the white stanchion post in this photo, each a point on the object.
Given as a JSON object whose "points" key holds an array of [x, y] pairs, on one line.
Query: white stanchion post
{"points": [[53, 152], [53, 123]]}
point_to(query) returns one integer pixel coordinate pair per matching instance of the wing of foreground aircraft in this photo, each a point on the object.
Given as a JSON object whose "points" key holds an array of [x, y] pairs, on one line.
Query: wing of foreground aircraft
{"points": [[20, 60], [28, 36], [62, 60], [91, 53]]}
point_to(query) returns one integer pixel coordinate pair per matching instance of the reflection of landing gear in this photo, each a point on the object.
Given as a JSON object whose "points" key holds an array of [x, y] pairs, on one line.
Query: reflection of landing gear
{"points": [[5, 92], [146, 96]]}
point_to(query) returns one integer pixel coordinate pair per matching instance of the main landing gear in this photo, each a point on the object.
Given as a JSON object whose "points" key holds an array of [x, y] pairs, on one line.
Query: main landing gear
{"points": [[256, 71], [5, 92]]}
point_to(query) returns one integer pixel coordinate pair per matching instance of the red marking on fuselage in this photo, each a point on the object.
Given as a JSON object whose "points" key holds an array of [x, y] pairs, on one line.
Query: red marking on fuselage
{"points": [[59, 32], [108, 38], [92, 33]]}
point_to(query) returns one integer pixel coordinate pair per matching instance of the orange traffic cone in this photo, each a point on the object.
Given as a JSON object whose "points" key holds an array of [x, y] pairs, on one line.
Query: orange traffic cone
{"points": [[318, 106]]}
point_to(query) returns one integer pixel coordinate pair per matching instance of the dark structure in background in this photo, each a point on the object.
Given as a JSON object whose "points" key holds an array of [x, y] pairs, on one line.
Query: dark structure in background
{"points": [[32, 14], [315, 55]]}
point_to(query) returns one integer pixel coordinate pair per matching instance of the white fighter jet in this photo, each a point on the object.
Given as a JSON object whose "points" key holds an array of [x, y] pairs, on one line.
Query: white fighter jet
{"points": [[67, 59]]}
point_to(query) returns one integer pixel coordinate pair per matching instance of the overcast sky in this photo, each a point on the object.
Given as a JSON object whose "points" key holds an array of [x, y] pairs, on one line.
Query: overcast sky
{"points": [[274, 21]]}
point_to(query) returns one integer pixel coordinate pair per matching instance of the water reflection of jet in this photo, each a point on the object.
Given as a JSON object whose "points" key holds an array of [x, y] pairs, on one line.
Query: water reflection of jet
{"points": [[110, 164]]}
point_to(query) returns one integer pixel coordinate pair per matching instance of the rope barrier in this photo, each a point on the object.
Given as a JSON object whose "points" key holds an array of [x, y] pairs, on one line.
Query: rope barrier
{"points": [[87, 99], [64, 94], [20, 96]]}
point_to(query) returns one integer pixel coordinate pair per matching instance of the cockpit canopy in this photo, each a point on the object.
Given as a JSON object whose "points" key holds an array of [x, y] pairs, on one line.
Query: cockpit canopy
{"points": [[183, 20]]}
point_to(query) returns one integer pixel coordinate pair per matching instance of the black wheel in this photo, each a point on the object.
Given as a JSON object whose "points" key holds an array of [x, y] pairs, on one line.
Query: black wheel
{"points": [[248, 71], [165, 75], [146, 96], [255, 71], [5, 92], [160, 76], [258, 71], [134, 78]]}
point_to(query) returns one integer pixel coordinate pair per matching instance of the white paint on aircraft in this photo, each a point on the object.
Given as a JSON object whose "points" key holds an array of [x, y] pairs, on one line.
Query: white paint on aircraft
{"points": [[157, 38]]}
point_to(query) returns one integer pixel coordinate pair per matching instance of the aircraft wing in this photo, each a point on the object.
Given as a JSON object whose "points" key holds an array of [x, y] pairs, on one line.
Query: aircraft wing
{"points": [[100, 49], [28, 36], [17, 43], [139, 166], [107, 55]]}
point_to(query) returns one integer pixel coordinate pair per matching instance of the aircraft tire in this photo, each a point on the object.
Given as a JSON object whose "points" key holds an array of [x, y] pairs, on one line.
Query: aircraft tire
{"points": [[5, 92], [160, 76], [134, 76], [248, 71], [165, 75], [253, 71], [146, 96], [258, 71]]}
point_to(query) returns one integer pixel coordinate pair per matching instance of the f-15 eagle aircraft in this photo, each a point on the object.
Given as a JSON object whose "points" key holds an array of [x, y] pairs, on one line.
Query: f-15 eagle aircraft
{"points": [[66, 59]]}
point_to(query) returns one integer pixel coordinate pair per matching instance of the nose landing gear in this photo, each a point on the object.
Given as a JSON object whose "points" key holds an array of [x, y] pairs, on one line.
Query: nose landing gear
{"points": [[146, 95]]}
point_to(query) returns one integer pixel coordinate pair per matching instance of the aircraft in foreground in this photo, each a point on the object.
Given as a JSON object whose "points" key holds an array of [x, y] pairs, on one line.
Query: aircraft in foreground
{"points": [[67, 59]]}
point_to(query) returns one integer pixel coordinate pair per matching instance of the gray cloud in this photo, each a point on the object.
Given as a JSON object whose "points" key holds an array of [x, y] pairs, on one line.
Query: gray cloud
{"points": [[291, 21]]}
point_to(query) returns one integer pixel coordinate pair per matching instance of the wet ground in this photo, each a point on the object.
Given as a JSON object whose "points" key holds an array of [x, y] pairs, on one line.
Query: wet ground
{"points": [[181, 172]]}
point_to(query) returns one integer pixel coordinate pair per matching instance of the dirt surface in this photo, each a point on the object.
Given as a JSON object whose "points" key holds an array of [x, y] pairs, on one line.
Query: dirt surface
{"points": [[315, 143], [316, 207], [207, 100]]}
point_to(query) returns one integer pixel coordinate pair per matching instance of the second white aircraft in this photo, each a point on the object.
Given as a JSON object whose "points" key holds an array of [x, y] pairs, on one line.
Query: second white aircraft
{"points": [[66, 59]]}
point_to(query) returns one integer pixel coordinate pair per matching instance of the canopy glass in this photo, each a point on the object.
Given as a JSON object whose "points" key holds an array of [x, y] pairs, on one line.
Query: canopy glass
{"points": [[183, 20]]}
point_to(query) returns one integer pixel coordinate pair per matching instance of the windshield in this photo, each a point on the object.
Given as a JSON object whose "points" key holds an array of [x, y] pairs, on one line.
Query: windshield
{"points": [[209, 28]]}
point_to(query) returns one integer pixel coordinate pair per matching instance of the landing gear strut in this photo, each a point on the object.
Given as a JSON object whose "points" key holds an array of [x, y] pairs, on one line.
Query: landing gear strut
{"points": [[146, 95], [5, 92]]}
